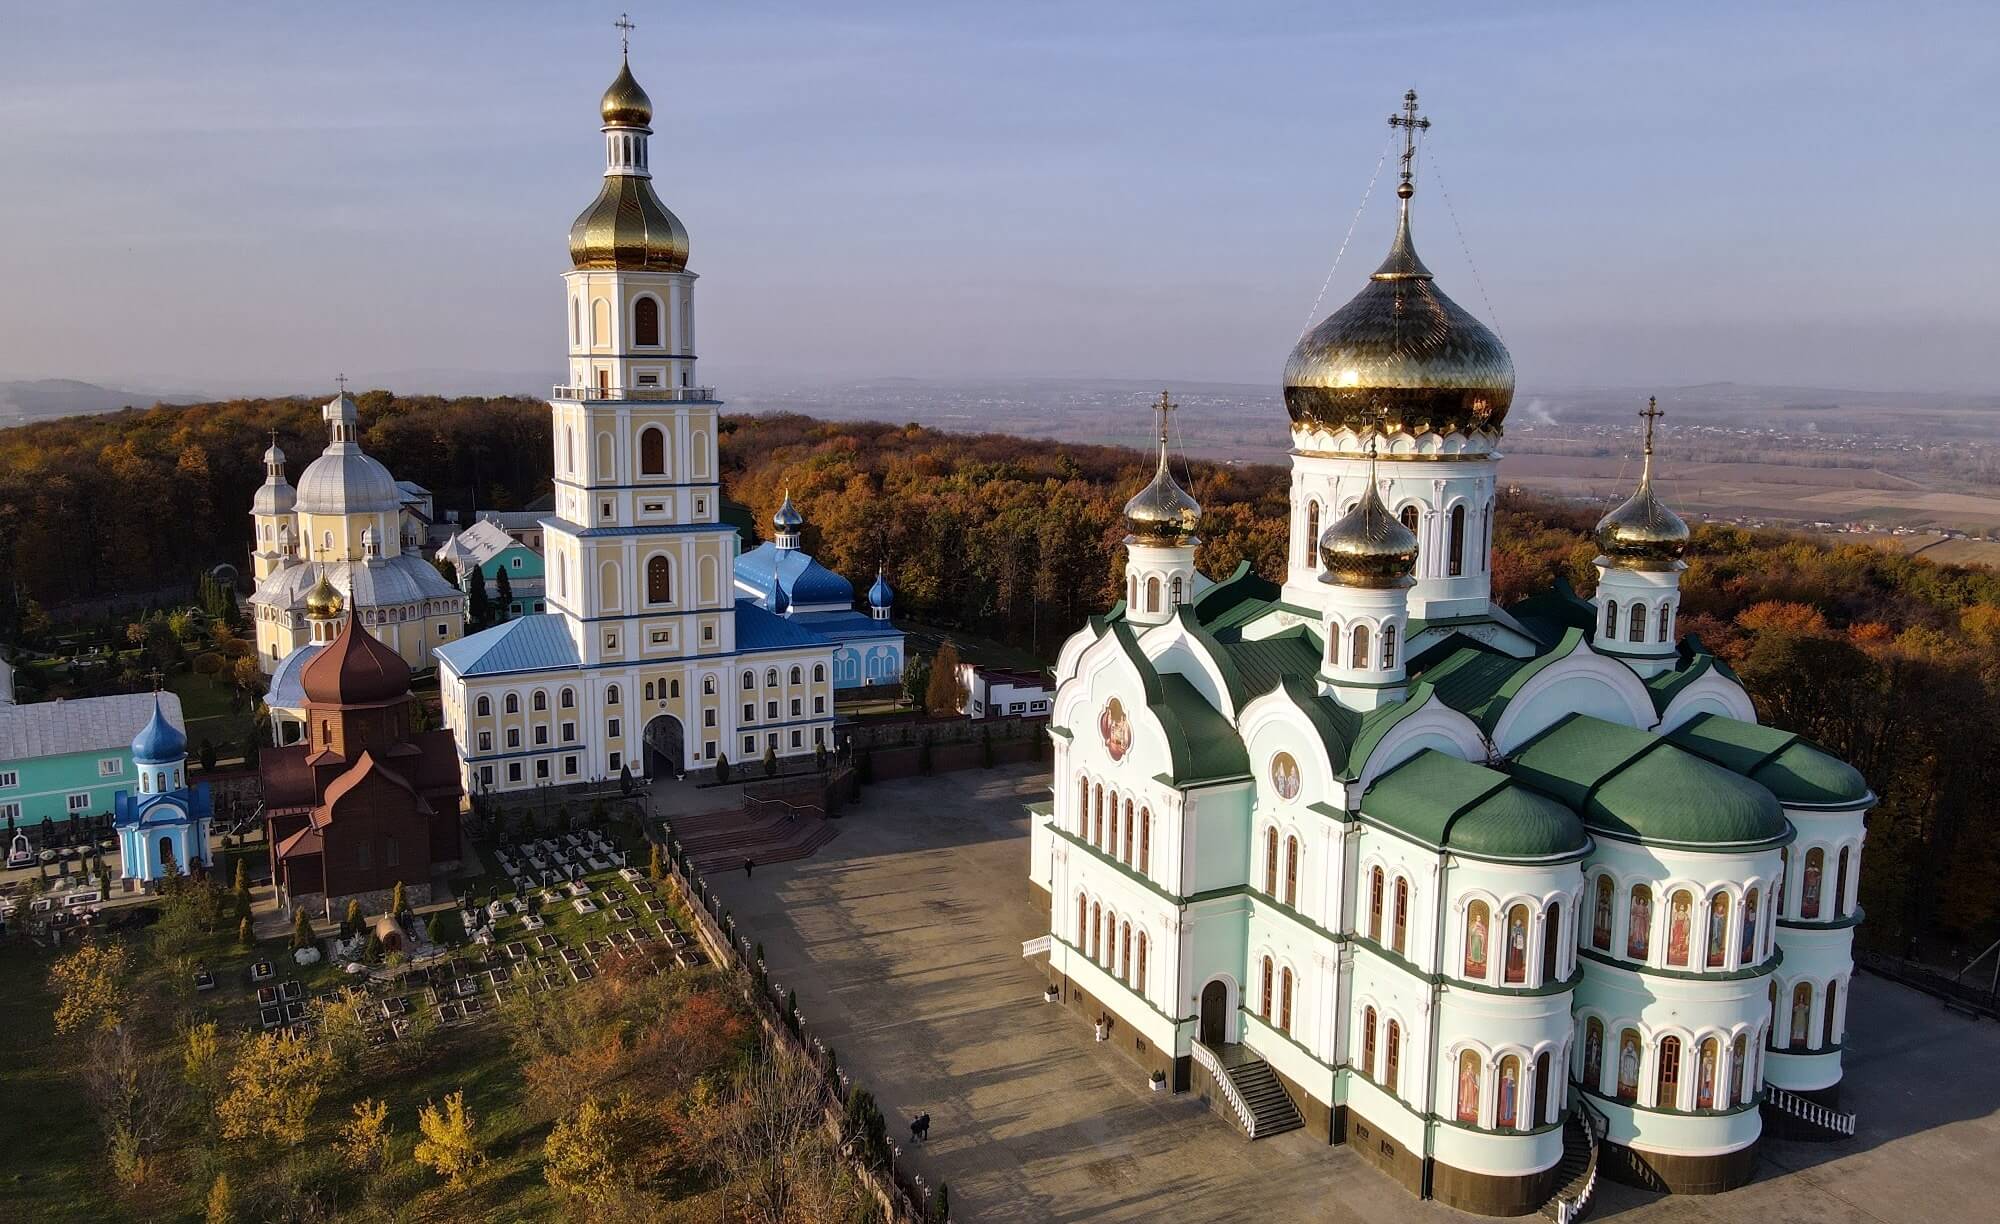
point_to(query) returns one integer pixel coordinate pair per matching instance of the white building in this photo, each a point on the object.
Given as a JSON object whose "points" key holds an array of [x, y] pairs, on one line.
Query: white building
{"points": [[647, 659], [1003, 692], [1470, 888]]}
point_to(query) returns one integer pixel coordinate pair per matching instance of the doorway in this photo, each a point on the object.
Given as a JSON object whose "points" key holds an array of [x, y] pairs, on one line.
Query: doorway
{"points": [[1214, 1013], [666, 748]]}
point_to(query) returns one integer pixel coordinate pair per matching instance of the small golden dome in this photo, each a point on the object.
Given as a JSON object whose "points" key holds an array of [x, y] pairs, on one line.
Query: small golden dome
{"points": [[323, 602], [1368, 546], [1642, 533], [1162, 512], [625, 104]]}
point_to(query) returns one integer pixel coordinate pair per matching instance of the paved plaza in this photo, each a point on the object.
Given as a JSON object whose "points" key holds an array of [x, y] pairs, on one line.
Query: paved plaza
{"points": [[903, 939]]}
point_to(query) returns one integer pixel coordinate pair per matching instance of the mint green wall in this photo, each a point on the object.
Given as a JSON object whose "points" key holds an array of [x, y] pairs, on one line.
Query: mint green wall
{"points": [[530, 567], [46, 783]]}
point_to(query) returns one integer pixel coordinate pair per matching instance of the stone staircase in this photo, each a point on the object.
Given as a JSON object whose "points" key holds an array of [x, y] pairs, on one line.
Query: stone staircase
{"points": [[1576, 1175], [1803, 1119], [720, 841], [1259, 1101]]}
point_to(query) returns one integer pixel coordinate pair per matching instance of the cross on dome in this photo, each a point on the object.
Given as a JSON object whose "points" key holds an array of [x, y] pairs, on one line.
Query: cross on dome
{"points": [[625, 27], [1411, 123]]}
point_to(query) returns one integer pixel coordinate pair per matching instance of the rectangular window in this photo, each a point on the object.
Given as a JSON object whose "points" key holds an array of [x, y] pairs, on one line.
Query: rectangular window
{"points": [[662, 636], [486, 741], [656, 507], [616, 762], [110, 767], [541, 736], [770, 709], [611, 641], [819, 705], [569, 767], [798, 707], [513, 737], [708, 718], [10, 811], [798, 739], [9, 779], [542, 769], [514, 771], [80, 802], [819, 737], [749, 744], [708, 633], [612, 729], [749, 713], [444, 629], [708, 751], [485, 775], [568, 732]]}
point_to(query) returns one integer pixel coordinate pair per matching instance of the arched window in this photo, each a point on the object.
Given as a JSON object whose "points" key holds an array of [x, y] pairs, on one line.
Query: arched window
{"points": [[1507, 1093], [1271, 861], [1285, 1000], [1801, 1015], [1097, 838], [1636, 632], [1611, 620], [1593, 1054], [567, 699], [797, 675], [1399, 933], [1292, 871], [1082, 921], [1478, 922], [1718, 931], [1666, 619], [819, 673], [1153, 594], [1455, 551], [1174, 591], [1083, 808], [1392, 1059], [1706, 1064], [1375, 905], [1126, 857], [1125, 952], [1639, 923], [1832, 1005], [771, 677], [600, 321], [708, 686], [646, 321], [1468, 1087], [1542, 1091], [1096, 931], [652, 451], [611, 694], [1680, 927], [649, 690], [540, 702], [513, 703], [575, 321], [1145, 841], [1748, 951], [1358, 650], [1139, 974], [1409, 517], [1600, 915], [1840, 885], [1517, 946], [1811, 883], [1368, 1042], [484, 706], [659, 580], [1628, 1064], [1312, 535], [1552, 943], [1738, 1055], [1667, 1088], [1264, 1003], [1388, 646]]}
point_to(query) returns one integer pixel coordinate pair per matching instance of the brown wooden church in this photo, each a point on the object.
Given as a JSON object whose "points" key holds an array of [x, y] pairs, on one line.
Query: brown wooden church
{"points": [[363, 802]]}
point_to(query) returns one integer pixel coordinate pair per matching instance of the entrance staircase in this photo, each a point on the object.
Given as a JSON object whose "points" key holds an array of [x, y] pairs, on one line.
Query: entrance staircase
{"points": [[1805, 1119], [1576, 1184], [770, 833], [1256, 1098]]}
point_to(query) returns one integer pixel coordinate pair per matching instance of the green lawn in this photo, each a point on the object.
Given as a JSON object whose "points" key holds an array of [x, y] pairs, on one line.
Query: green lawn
{"points": [[51, 1154], [205, 706]]}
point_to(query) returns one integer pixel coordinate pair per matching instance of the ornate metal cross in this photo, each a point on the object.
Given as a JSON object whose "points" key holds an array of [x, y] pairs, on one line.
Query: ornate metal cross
{"points": [[342, 380], [1411, 123], [1163, 408], [625, 28], [1650, 413]]}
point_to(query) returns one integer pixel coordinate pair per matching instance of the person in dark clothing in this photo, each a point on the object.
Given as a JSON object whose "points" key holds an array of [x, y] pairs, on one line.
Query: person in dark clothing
{"points": [[922, 1127], [747, 865]]}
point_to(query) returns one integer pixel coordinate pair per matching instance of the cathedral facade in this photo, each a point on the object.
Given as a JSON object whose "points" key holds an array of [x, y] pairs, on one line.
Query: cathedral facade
{"points": [[1486, 892], [648, 660]]}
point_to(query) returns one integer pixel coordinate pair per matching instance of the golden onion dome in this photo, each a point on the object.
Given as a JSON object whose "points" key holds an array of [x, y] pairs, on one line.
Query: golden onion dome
{"points": [[1400, 353], [1642, 533], [1368, 546], [1162, 512], [625, 104], [323, 602]]}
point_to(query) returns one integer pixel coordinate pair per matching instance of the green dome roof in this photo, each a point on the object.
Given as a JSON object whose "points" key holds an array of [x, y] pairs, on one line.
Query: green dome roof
{"points": [[1789, 767], [1515, 822], [1443, 801]]}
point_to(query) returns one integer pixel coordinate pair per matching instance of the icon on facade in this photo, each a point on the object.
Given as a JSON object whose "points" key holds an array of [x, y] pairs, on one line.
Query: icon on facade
{"points": [[1285, 776], [1115, 728]]}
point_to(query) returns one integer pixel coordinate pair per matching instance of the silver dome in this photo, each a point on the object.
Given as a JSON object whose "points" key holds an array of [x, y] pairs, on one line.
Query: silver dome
{"points": [[345, 481]]}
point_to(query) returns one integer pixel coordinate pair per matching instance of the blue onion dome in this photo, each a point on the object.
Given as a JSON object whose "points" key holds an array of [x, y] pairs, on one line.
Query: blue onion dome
{"points": [[880, 595], [159, 742], [788, 517], [1368, 547]]}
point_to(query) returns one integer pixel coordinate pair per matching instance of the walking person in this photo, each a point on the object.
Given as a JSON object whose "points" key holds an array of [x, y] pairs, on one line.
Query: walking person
{"points": [[747, 865]]}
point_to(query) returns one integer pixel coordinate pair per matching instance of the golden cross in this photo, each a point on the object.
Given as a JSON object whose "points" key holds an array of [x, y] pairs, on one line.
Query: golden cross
{"points": [[625, 28], [1411, 123], [1163, 408], [1651, 412]]}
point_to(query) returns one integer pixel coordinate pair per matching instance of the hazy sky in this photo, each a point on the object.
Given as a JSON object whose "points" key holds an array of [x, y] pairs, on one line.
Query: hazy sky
{"points": [[237, 196]]}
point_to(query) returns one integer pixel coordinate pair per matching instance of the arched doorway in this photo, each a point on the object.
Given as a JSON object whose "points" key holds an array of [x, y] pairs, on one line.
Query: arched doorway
{"points": [[1214, 1013], [666, 750]]}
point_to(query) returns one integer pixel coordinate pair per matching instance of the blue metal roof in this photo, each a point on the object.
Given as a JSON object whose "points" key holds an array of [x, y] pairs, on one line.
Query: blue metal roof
{"points": [[757, 629], [806, 581], [537, 642], [159, 742], [287, 683], [881, 595], [838, 626]]}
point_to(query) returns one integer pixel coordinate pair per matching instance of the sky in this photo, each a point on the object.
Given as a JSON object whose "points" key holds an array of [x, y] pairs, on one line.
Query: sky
{"points": [[229, 197]]}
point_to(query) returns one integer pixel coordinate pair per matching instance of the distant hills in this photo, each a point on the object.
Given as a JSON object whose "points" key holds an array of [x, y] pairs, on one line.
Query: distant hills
{"points": [[40, 399]]}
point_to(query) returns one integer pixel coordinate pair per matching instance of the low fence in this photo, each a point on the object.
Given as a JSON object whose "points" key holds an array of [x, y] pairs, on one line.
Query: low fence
{"points": [[1977, 998], [901, 1194]]}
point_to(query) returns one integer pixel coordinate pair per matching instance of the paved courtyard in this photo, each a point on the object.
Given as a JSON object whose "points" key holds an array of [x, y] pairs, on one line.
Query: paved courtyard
{"points": [[903, 939]]}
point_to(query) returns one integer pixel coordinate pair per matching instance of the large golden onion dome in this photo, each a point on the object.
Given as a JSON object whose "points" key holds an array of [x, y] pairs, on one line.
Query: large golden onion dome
{"points": [[625, 104], [1403, 353], [1162, 512], [626, 226], [323, 602], [1642, 533], [1368, 547]]}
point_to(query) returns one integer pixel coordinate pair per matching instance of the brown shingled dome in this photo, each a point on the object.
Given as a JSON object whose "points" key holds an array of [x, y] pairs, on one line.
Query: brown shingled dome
{"points": [[355, 669]]}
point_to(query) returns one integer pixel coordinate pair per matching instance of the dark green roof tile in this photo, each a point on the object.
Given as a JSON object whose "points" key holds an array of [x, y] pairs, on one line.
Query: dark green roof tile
{"points": [[1204, 746], [1442, 801], [1788, 766]]}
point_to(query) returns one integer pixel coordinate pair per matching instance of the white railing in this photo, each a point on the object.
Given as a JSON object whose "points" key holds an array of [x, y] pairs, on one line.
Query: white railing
{"points": [[1037, 945], [666, 395], [1809, 1111], [1594, 1127], [1208, 1059]]}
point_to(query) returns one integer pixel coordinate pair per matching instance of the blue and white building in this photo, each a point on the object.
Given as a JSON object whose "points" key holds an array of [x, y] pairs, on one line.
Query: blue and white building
{"points": [[782, 578], [166, 819], [60, 759]]}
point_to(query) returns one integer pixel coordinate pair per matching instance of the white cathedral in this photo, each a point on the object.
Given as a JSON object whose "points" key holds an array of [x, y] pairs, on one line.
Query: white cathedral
{"points": [[649, 660], [1489, 894]]}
